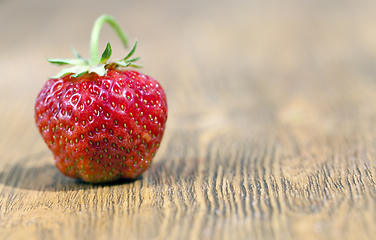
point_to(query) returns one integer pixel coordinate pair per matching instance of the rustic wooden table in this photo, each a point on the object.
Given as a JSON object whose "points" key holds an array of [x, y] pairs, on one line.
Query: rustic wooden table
{"points": [[271, 131]]}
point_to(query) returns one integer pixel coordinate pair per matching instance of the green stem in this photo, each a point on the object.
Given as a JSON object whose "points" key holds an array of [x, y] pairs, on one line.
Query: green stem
{"points": [[94, 54]]}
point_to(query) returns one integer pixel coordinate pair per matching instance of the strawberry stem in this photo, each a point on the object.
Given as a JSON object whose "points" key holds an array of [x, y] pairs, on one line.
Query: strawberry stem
{"points": [[97, 65], [94, 54]]}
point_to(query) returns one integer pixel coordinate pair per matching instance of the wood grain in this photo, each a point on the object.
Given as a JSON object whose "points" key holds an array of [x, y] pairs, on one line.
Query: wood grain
{"points": [[271, 131]]}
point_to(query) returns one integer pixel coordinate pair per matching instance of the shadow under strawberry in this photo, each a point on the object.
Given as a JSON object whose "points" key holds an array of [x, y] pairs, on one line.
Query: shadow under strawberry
{"points": [[37, 172]]}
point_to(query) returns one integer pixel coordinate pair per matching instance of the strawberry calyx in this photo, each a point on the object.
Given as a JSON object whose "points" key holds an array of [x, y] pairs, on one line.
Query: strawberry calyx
{"points": [[80, 65]]}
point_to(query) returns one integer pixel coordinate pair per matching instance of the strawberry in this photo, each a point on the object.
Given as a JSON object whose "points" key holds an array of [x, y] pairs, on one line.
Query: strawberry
{"points": [[101, 121]]}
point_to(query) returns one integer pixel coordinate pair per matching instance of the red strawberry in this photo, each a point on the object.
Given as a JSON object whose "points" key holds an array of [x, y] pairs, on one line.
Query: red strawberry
{"points": [[102, 123]]}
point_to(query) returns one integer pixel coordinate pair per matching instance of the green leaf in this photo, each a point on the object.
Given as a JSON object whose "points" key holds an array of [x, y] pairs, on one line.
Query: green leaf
{"points": [[123, 63], [131, 52], [66, 71], [100, 70], [136, 65], [81, 71], [106, 54], [132, 60], [127, 63], [59, 61], [76, 53]]}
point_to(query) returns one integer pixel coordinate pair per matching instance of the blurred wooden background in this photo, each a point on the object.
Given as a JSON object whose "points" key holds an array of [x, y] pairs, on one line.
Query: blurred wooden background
{"points": [[271, 131]]}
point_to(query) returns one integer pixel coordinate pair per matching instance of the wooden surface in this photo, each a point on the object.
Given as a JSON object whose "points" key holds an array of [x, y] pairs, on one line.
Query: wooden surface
{"points": [[271, 131]]}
